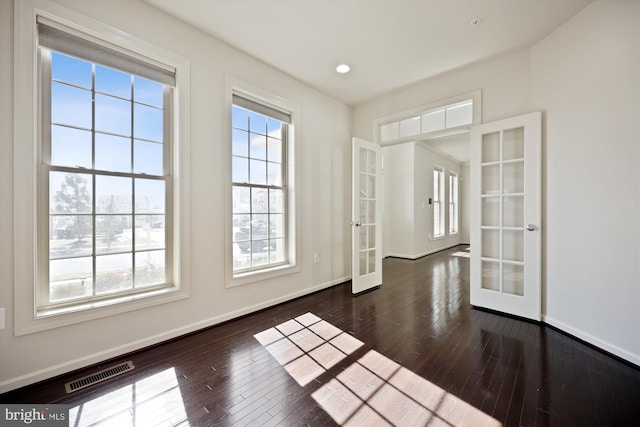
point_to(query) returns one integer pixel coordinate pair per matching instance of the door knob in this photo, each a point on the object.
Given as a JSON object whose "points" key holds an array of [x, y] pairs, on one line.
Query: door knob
{"points": [[531, 227], [356, 223]]}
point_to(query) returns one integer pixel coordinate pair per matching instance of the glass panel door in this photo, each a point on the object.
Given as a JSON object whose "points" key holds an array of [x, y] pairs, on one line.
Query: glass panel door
{"points": [[367, 259], [502, 230], [505, 238]]}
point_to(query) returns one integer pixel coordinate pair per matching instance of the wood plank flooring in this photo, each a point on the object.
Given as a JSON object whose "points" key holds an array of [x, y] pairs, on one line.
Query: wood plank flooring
{"points": [[448, 362]]}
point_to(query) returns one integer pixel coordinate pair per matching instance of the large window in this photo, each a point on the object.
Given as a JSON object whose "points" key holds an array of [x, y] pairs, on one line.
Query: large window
{"points": [[438, 202], [260, 235], [105, 179], [453, 203]]}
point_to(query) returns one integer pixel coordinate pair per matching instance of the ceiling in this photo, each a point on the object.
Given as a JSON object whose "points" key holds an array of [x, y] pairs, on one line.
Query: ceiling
{"points": [[389, 44]]}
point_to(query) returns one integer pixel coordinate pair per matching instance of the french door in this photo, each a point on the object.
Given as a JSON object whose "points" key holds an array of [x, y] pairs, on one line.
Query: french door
{"points": [[506, 215], [366, 236]]}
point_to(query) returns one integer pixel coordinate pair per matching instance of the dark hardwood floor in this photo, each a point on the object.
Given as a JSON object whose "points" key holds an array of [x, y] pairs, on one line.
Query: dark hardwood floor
{"points": [[474, 367]]}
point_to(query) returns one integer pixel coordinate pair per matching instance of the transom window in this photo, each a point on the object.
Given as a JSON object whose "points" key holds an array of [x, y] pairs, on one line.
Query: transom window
{"points": [[259, 179], [105, 176], [426, 122]]}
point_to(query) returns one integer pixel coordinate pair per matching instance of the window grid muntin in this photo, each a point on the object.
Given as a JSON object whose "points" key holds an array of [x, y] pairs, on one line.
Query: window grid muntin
{"points": [[284, 129], [45, 290]]}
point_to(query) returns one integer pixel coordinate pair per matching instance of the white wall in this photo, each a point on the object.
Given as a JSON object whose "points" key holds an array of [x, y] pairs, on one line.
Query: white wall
{"points": [[323, 145], [586, 80], [399, 200]]}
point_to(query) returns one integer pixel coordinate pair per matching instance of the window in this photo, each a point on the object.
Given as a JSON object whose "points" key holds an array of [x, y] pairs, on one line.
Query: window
{"points": [[105, 177], [259, 139], [453, 203], [443, 118], [438, 205]]}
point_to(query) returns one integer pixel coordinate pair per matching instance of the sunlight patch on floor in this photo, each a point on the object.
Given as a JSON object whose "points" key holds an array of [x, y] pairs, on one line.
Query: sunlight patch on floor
{"points": [[154, 400], [377, 391], [307, 346], [374, 390]]}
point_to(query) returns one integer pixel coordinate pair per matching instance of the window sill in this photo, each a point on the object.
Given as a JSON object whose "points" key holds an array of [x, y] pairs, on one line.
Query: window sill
{"points": [[56, 317], [260, 275]]}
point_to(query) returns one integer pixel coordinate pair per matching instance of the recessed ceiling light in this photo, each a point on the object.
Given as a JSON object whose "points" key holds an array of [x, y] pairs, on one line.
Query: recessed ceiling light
{"points": [[343, 68]]}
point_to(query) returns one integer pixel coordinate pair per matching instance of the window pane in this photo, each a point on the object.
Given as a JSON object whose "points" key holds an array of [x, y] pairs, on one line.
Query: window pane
{"points": [[258, 146], [150, 268], [259, 200], [239, 169], [114, 273], [148, 157], [70, 278], [258, 170], [274, 153], [241, 260], [70, 105], [70, 193], [147, 122], [257, 123], [274, 174], [259, 253], [113, 82], [241, 226], [150, 232], [113, 234], [113, 153], [274, 128], [150, 196], [241, 200], [276, 250], [147, 92], [259, 223], [459, 115], [410, 127], [113, 194], [389, 131], [240, 118], [240, 143], [70, 147], [70, 236], [71, 70], [277, 225], [433, 121], [113, 115], [276, 201]]}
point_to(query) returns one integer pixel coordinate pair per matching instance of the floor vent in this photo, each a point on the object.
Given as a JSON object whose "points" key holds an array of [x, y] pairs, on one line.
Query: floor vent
{"points": [[99, 376]]}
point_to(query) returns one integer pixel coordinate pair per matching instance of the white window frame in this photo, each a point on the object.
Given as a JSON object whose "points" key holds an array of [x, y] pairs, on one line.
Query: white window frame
{"points": [[253, 92], [27, 153], [439, 202], [454, 203]]}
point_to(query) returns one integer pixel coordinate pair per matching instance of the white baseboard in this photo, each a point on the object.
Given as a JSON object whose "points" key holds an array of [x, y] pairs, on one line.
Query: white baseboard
{"points": [[82, 362], [422, 254], [604, 345]]}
